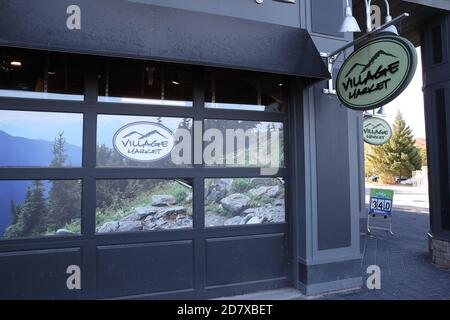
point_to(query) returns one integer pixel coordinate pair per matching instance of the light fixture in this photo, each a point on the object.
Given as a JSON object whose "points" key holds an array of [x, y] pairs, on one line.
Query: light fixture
{"points": [[349, 24], [332, 57], [388, 18], [175, 82], [16, 63], [380, 111], [391, 28]]}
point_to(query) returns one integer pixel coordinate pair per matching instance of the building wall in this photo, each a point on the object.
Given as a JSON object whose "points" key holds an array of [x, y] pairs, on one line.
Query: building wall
{"points": [[269, 11], [330, 251], [436, 75], [328, 247], [326, 151]]}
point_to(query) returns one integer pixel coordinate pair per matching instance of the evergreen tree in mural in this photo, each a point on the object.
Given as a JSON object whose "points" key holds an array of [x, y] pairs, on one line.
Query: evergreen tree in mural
{"points": [[59, 151], [15, 212], [399, 156], [64, 196], [31, 219]]}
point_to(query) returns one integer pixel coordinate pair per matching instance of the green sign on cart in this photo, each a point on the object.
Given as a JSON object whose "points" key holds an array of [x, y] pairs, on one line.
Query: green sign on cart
{"points": [[381, 201]]}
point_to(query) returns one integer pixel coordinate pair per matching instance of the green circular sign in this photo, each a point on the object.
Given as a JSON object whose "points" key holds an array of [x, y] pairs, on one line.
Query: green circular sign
{"points": [[376, 73], [376, 131]]}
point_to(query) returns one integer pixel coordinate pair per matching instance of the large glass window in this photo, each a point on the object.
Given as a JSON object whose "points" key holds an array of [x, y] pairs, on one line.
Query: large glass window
{"points": [[39, 208], [139, 151], [244, 90], [237, 143], [127, 141], [143, 205], [40, 139], [239, 201], [36, 74], [143, 82]]}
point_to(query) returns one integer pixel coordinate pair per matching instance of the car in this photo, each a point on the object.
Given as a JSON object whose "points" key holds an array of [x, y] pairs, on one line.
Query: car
{"points": [[409, 181], [399, 179]]}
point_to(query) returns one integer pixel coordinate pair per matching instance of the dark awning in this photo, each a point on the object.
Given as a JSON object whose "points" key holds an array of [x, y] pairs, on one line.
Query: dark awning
{"points": [[135, 30]]}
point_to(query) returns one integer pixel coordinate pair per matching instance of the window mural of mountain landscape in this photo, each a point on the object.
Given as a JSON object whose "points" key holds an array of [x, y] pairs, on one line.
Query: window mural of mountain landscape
{"points": [[29, 208]]}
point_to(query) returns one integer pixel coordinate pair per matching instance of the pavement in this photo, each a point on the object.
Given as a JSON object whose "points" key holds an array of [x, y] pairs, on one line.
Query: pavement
{"points": [[406, 270]]}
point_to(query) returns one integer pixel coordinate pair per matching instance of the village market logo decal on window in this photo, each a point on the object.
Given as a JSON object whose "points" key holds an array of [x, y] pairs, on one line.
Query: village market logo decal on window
{"points": [[376, 73], [376, 131], [143, 141]]}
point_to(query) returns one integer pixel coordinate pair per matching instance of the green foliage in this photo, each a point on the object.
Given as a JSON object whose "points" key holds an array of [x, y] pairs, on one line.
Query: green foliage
{"points": [[64, 203], [259, 201], [31, 220], [59, 152], [64, 200], [180, 192], [423, 155], [399, 156], [216, 208], [15, 212], [117, 198], [241, 185]]}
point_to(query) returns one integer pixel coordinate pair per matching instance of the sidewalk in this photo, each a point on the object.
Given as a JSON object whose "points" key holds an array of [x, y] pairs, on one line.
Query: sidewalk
{"points": [[406, 270]]}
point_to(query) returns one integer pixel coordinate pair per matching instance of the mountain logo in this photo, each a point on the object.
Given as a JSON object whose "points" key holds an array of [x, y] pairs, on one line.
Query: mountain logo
{"points": [[376, 131], [367, 66], [376, 73], [143, 141], [370, 125]]}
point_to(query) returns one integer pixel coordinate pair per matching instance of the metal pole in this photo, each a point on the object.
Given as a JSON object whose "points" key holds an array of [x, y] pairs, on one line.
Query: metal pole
{"points": [[332, 57]]}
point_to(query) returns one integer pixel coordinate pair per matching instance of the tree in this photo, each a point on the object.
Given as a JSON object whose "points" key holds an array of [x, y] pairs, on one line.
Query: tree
{"points": [[369, 169], [64, 199], [31, 220], [399, 156], [59, 152], [423, 155], [15, 211]]}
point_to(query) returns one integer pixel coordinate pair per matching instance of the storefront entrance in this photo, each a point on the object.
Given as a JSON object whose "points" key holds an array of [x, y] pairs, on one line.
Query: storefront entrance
{"points": [[156, 180]]}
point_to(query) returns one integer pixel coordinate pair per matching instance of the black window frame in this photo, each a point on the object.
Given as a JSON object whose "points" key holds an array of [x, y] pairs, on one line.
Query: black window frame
{"points": [[89, 173]]}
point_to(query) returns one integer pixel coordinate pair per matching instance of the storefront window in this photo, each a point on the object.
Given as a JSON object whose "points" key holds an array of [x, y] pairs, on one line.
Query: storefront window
{"points": [[236, 143], [39, 208], [40, 139], [143, 205], [136, 141], [144, 82], [40, 75], [244, 90], [244, 201]]}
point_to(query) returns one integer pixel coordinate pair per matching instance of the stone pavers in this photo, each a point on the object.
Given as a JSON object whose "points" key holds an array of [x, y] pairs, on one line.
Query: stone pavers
{"points": [[406, 269]]}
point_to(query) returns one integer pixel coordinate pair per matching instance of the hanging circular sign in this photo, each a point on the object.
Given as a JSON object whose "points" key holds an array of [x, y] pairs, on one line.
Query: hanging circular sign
{"points": [[143, 141], [376, 131], [376, 73]]}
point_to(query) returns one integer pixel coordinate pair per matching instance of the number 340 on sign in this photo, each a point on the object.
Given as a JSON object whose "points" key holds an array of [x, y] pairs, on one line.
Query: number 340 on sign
{"points": [[381, 201]]}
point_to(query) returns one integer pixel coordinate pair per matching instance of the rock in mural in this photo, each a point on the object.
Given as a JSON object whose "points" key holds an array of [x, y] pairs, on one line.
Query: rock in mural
{"points": [[219, 189], [235, 203], [150, 218], [163, 200]]}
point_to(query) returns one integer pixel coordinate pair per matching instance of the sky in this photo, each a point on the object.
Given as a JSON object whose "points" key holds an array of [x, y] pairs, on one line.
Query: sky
{"points": [[43, 125], [410, 103]]}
